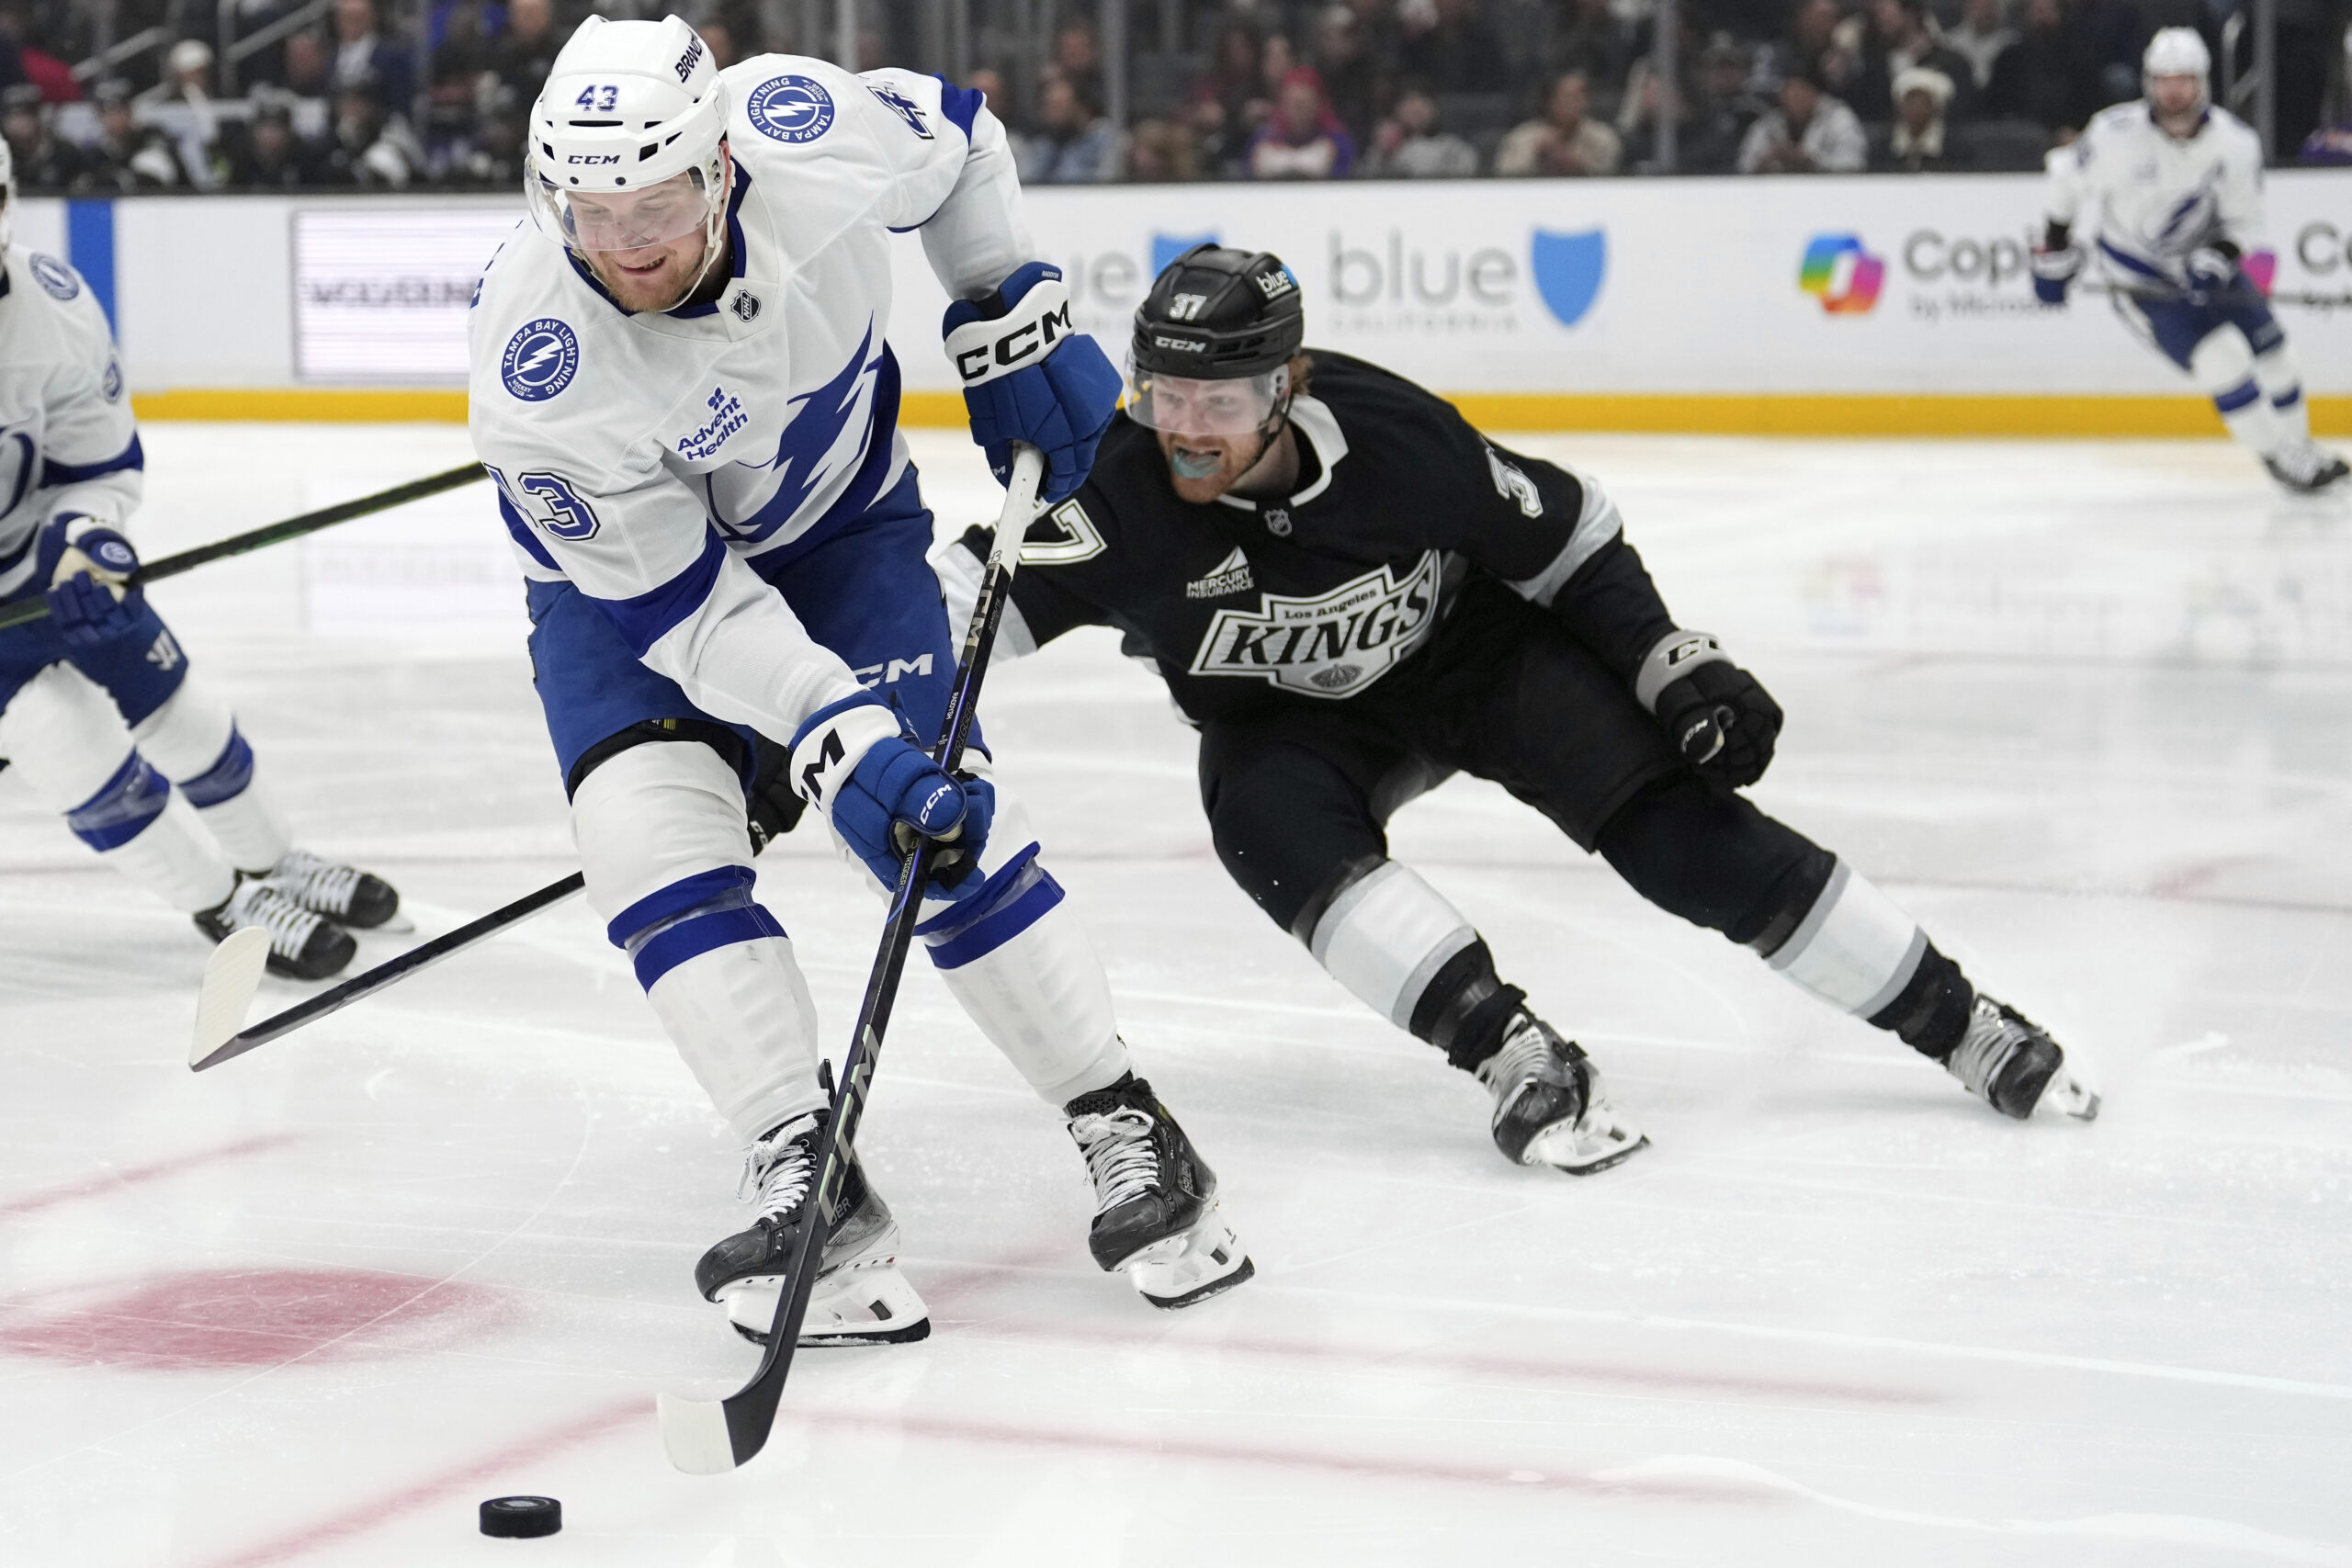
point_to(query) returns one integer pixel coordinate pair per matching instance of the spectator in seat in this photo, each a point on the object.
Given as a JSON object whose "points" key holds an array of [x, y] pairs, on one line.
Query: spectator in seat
{"points": [[1451, 47], [1306, 139], [1724, 112], [1228, 103], [1810, 132], [34, 63], [2045, 76], [1916, 140], [1072, 144], [1589, 36], [369, 148], [266, 153], [1565, 140], [310, 67], [1811, 45], [1352, 78], [42, 161], [1077, 58], [1983, 33], [1408, 145], [1161, 152], [524, 52], [363, 56], [1646, 92], [718, 36], [128, 155], [1887, 38]]}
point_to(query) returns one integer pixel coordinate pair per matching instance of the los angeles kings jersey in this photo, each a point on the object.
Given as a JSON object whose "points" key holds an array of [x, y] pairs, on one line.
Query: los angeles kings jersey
{"points": [[67, 439], [2151, 197], [1314, 598], [643, 458]]}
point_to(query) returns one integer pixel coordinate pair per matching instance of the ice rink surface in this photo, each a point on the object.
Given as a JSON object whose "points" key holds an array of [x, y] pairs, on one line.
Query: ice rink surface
{"points": [[2087, 709]]}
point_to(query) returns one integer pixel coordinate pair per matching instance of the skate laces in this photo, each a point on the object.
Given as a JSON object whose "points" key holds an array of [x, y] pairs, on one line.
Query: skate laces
{"points": [[1991, 1035], [1525, 1053], [315, 882], [257, 903], [1119, 1155], [779, 1170]]}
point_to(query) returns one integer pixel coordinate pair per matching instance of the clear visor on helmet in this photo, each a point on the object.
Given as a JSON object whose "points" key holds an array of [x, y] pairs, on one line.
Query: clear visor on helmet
{"points": [[1182, 406], [626, 220]]}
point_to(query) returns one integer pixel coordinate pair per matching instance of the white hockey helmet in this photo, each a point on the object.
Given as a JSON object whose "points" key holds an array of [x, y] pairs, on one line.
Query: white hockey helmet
{"points": [[629, 106], [2177, 52]]}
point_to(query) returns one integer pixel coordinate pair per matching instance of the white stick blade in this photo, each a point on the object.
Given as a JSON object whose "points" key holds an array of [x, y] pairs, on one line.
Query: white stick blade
{"points": [[231, 975], [694, 1431]]}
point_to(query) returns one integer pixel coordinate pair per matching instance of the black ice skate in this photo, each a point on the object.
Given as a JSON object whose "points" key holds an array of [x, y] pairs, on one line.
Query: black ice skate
{"points": [[1550, 1107], [344, 894], [1155, 1198], [2306, 468], [2011, 1064], [860, 1299], [302, 945]]}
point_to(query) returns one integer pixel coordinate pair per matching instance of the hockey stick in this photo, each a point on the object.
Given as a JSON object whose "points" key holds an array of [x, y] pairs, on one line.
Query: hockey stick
{"points": [[33, 609], [233, 974], [710, 1437], [2167, 292]]}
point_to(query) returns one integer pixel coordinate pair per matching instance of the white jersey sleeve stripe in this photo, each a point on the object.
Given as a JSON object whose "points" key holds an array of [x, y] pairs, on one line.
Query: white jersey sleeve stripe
{"points": [[644, 619]]}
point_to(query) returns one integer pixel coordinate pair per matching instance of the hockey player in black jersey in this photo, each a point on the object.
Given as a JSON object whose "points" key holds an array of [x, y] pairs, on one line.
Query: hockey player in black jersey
{"points": [[1353, 596]]}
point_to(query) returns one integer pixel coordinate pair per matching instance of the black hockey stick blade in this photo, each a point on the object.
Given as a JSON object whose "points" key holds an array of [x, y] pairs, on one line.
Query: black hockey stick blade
{"points": [[707, 1438], [33, 609], [234, 973]]}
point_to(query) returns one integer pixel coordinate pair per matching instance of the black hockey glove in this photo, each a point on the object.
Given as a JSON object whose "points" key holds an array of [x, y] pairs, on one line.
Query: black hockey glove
{"points": [[1719, 716], [774, 809]]}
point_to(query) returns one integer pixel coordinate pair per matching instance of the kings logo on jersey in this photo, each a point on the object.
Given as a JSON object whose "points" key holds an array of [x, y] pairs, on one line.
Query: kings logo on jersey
{"points": [[1333, 645]]}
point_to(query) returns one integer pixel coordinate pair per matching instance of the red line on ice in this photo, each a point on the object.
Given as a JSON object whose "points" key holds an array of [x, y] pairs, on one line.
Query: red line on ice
{"points": [[1358, 1465], [17, 1208], [359, 1518]]}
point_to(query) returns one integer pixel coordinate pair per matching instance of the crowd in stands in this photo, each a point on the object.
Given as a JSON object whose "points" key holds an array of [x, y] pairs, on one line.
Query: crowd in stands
{"points": [[434, 93]]}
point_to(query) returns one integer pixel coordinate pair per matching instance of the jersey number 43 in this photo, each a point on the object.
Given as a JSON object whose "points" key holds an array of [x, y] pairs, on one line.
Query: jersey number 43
{"points": [[552, 504]]}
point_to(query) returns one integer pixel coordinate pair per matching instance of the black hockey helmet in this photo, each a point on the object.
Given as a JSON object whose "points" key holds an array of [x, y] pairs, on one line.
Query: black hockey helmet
{"points": [[1215, 312]]}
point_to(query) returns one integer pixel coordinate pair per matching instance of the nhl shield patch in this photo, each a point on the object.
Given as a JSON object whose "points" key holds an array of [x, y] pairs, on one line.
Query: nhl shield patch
{"points": [[790, 108], [541, 359]]}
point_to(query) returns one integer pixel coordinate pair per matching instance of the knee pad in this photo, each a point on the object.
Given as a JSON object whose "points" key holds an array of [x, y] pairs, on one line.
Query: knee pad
{"points": [[660, 830], [2223, 366], [1710, 857], [194, 738], [66, 738]]}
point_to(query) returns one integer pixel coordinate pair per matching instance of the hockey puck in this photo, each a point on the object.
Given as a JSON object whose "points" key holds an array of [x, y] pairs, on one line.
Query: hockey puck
{"points": [[520, 1519]]}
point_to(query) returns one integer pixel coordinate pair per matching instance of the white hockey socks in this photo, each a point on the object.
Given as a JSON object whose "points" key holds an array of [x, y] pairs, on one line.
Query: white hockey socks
{"points": [[660, 828], [2224, 368], [2281, 380], [194, 740], [67, 740], [1385, 936], [1017, 961], [1855, 949]]}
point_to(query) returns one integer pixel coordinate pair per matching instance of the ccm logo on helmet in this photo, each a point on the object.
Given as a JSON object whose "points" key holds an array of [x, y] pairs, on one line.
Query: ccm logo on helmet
{"points": [[1181, 344], [593, 158], [1027, 341]]}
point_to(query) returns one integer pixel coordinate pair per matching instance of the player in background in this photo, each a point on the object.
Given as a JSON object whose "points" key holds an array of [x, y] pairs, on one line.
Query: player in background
{"points": [[1353, 596], [99, 712], [682, 388], [2171, 187]]}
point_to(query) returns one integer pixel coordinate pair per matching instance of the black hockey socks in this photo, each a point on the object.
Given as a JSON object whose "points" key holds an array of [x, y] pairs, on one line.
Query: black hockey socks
{"points": [[1930, 1014], [1465, 1007]]}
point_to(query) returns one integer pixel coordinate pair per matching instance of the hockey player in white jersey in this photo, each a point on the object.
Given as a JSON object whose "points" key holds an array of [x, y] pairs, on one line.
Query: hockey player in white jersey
{"points": [[682, 388], [98, 714], [2170, 186]]}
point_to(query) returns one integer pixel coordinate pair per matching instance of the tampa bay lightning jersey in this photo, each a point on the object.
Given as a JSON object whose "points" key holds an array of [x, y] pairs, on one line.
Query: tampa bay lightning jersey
{"points": [[643, 457], [2152, 197], [67, 440]]}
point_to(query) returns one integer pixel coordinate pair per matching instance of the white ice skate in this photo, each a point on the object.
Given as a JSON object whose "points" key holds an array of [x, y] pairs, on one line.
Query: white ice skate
{"points": [[2008, 1062], [1155, 1198], [1550, 1106], [2306, 468], [860, 1297]]}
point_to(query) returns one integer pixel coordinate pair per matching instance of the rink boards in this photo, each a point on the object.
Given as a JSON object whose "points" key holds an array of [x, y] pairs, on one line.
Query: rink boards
{"points": [[1815, 306]]}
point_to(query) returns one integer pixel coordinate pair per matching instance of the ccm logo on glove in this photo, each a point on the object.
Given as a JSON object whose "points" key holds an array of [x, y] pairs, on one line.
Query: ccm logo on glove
{"points": [[1031, 328]]}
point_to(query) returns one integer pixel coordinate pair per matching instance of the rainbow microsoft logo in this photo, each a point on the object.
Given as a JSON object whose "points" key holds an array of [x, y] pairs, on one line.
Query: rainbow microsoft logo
{"points": [[1845, 277]]}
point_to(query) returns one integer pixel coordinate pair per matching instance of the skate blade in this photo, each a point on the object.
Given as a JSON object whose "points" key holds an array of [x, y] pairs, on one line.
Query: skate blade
{"points": [[861, 1303], [1179, 1271], [2068, 1096], [1592, 1143]]}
